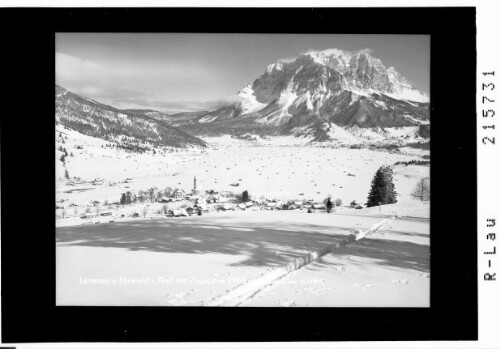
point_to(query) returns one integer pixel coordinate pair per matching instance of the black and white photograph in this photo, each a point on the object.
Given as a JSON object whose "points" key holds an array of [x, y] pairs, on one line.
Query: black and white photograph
{"points": [[269, 176], [242, 170]]}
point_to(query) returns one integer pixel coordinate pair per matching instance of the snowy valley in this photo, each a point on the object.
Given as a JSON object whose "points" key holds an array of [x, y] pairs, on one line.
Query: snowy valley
{"points": [[160, 191]]}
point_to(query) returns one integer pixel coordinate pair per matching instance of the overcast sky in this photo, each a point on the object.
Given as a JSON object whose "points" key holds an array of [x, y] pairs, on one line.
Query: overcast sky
{"points": [[176, 72]]}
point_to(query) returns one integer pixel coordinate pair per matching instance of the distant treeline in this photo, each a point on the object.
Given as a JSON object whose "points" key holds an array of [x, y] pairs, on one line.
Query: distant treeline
{"points": [[425, 145], [413, 162]]}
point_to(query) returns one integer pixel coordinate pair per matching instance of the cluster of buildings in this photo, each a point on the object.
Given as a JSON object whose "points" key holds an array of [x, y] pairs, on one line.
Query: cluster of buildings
{"points": [[181, 203]]}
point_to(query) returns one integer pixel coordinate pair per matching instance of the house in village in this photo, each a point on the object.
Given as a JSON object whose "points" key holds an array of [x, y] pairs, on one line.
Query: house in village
{"points": [[271, 205], [179, 194], [212, 198], [319, 206], [227, 194], [298, 204], [98, 181]]}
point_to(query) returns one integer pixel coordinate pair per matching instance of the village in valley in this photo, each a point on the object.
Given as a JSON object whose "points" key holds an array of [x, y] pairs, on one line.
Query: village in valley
{"points": [[99, 200], [177, 203]]}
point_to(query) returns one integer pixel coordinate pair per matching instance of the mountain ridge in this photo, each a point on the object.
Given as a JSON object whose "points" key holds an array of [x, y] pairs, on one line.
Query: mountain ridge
{"points": [[103, 121], [323, 95], [318, 89]]}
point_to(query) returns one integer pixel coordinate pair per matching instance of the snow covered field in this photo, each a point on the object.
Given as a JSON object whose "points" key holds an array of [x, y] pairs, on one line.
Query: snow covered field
{"points": [[267, 169], [192, 260], [388, 268]]}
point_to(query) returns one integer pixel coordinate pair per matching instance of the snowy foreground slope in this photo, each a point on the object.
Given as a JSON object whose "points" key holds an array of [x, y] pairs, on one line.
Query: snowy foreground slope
{"points": [[388, 268], [155, 260], [193, 260]]}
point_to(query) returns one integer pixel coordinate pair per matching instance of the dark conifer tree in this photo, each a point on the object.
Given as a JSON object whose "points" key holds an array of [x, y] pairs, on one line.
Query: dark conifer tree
{"points": [[245, 197], [390, 192], [382, 190], [329, 204], [123, 199]]}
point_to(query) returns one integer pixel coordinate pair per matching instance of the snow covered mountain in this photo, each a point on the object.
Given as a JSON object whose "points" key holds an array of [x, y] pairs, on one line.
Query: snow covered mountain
{"points": [[130, 128], [316, 94]]}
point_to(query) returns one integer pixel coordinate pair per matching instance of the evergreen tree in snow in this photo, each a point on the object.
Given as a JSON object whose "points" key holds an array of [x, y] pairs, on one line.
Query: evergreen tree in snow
{"points": [[123, 199], [390, 193], [245, 196], [329, 204], [382, 188]]}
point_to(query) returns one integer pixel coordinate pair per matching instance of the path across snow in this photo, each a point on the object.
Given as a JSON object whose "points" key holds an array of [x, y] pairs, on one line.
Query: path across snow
{"points": [[242, 293], [389, 268], [191, 260]]}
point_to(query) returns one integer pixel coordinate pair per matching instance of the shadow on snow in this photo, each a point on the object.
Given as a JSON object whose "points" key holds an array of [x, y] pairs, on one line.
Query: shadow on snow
{"points": [[264, 245]]}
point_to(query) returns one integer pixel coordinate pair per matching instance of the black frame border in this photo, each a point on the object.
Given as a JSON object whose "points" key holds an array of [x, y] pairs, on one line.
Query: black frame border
{"points": [[27, 144]]}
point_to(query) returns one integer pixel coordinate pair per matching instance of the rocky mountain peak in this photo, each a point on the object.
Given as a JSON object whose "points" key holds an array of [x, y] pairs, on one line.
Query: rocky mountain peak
{"points": [[318, 88], [332, 70]]}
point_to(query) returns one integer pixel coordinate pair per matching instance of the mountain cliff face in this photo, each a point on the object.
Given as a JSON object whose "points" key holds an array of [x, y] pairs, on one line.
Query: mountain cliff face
{"points": [[318, 91], [131, 126]]}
